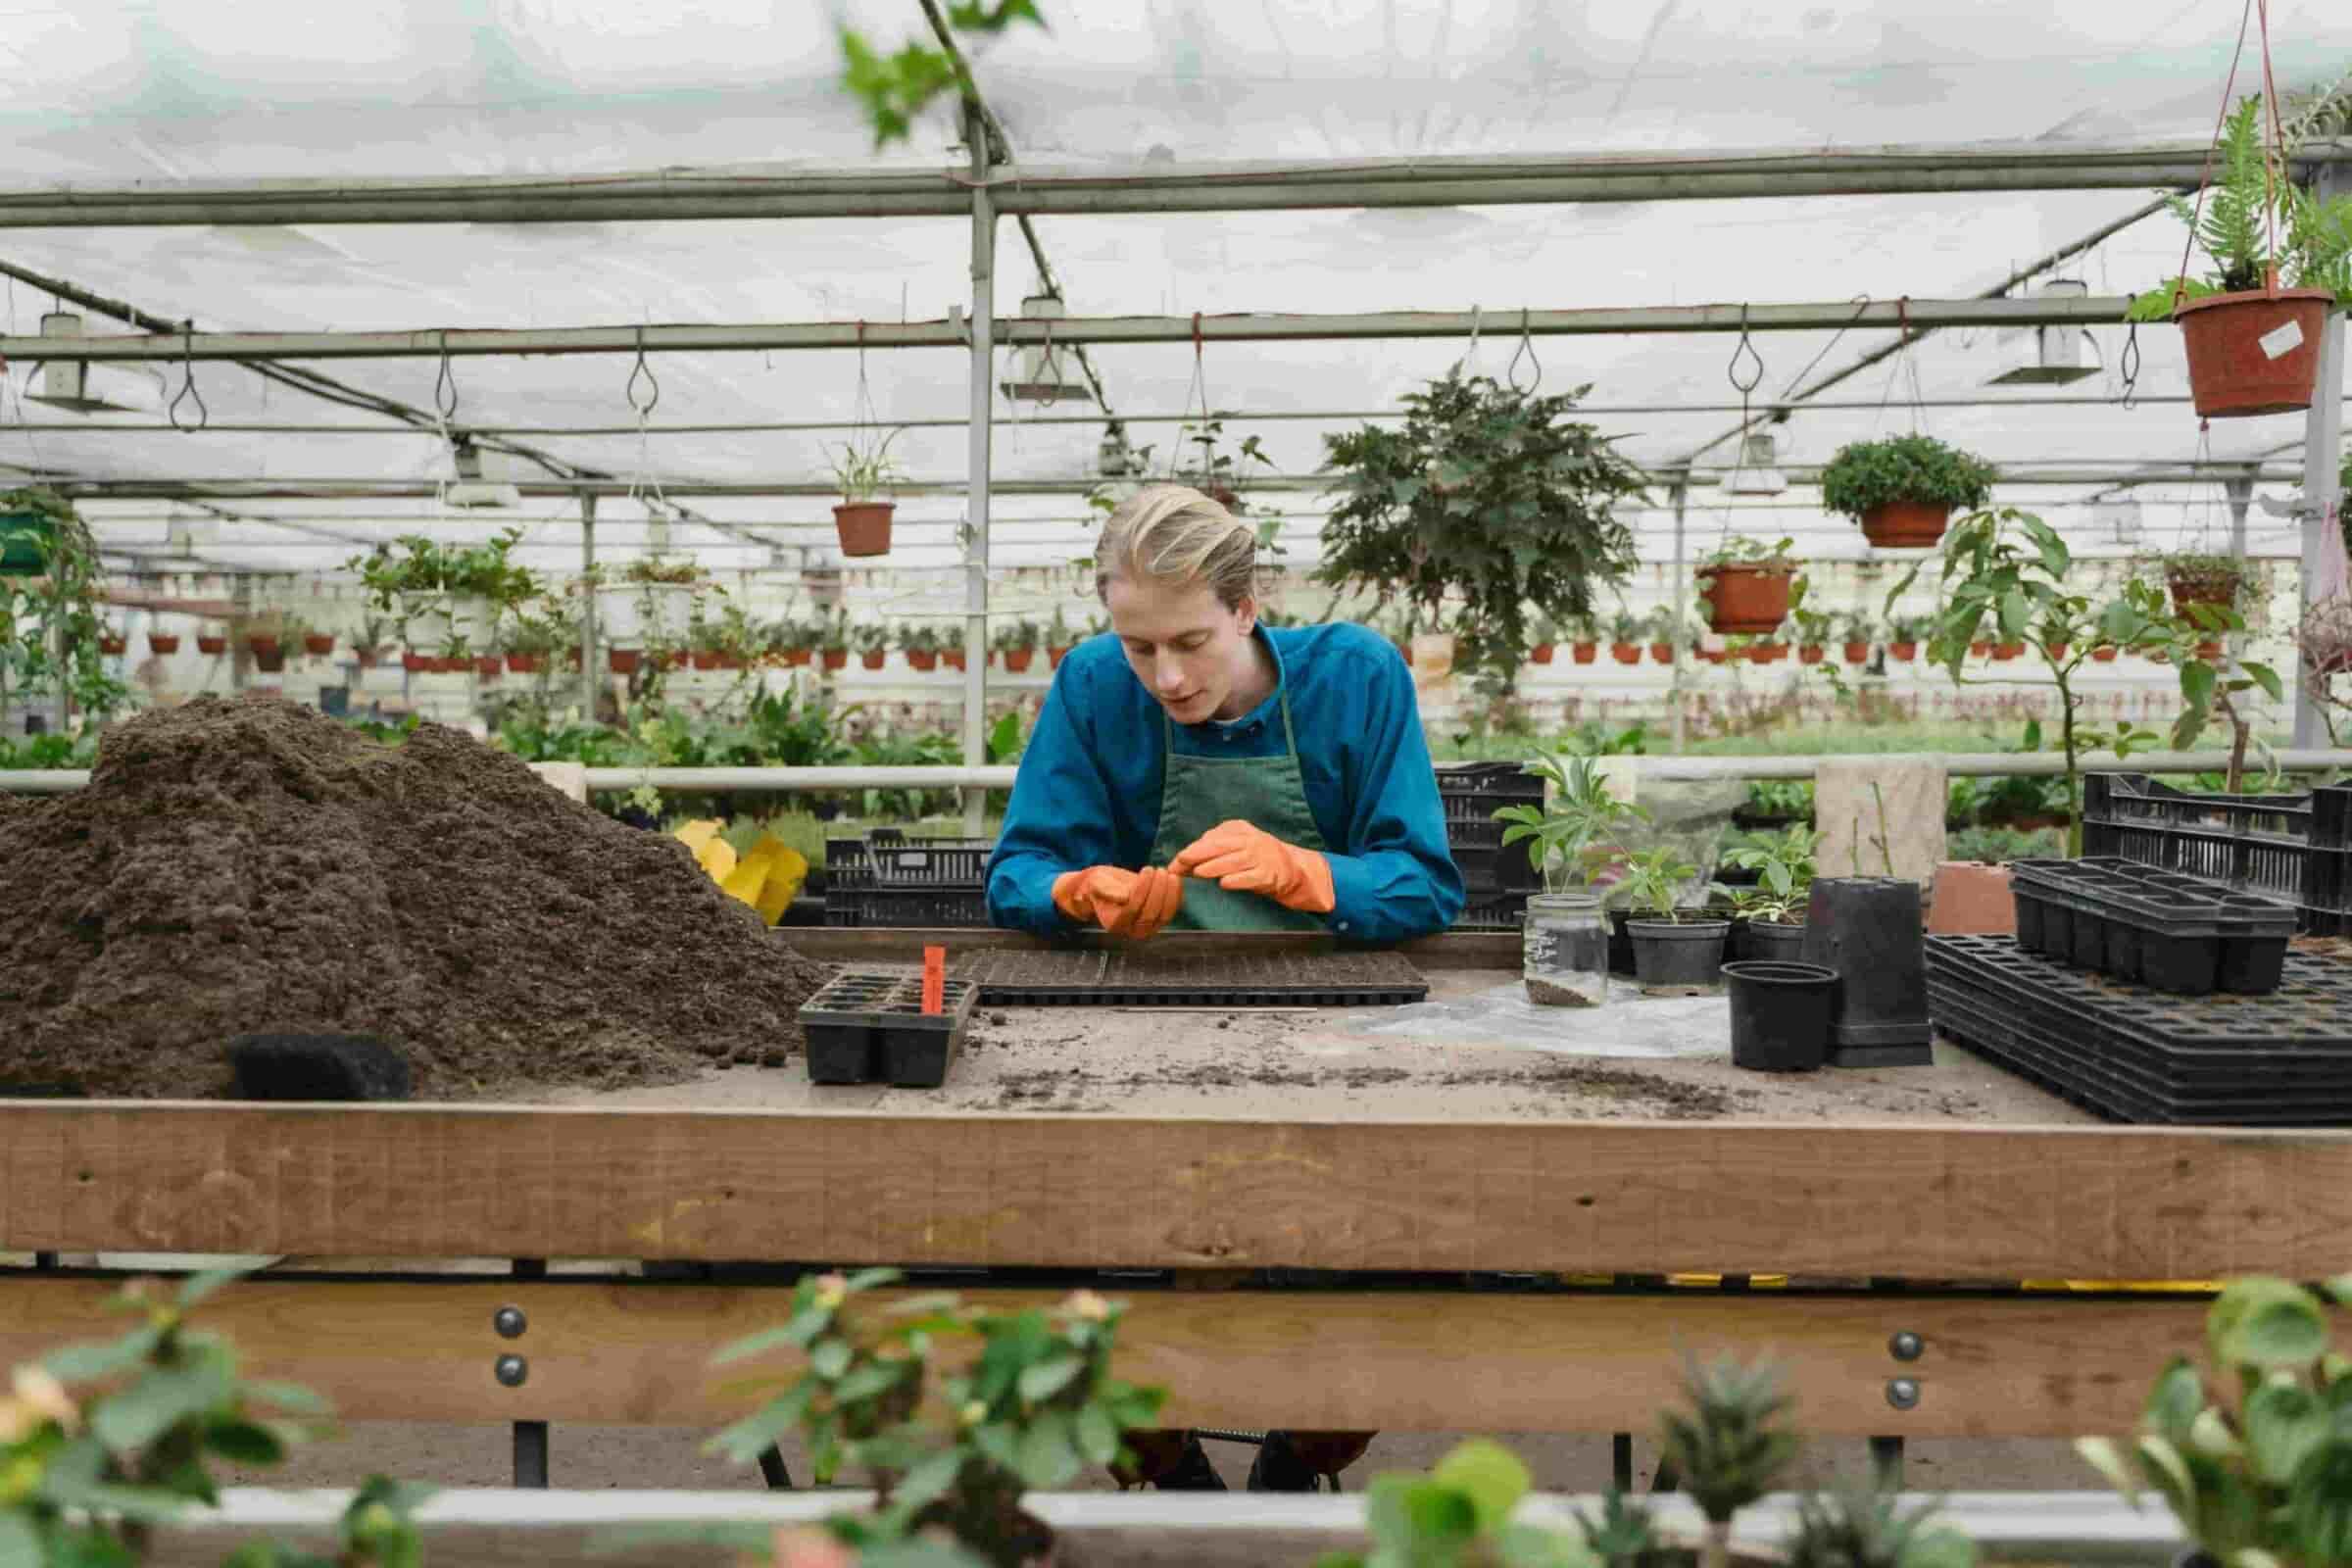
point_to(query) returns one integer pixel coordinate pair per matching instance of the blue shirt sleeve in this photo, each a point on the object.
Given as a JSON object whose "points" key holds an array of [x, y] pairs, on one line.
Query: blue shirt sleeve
{"points": [[1398, 879], [1059, 819]]}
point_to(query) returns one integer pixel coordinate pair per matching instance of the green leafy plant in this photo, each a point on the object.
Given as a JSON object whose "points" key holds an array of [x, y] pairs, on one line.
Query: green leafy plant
{"points": [[1623, 1535], [1741, 551], [894, 88], [1867, 1527], [1015, 637], [2144, 621], [2255, 1458], [1653, 881], [2196, 574], [1731, 1447], [2247, 205], [1033, 1403], [1627, 627], [1484, 504], [871, 637], [1786, 867], [1459, 1516], [1215, 474], [863, 466], [88, 1479], [1578, 814], [1866, 475], [52, 620]]}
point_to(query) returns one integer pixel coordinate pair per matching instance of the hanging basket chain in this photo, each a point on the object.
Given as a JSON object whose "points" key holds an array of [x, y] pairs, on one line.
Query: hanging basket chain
{"points": [[2129, 364], [2205, 180], [445, 388], [188, 382], [642, 368], [1527, 347]]}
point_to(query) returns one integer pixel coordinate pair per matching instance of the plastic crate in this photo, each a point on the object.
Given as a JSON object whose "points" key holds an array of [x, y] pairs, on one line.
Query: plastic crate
{"points": [[905, 905], [1500, 911], [2290, 848], [886, 858], [1471, 791], [1487, 864]]}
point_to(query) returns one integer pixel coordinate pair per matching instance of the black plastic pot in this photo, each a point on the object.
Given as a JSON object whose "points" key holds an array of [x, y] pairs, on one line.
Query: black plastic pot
{"points": [[1770, 942], [870, 1028], [2123, 950], [1679, 957], [2251, 965], [2030, 913], [2087, 947], [1780, 1014], [1867, 929]]}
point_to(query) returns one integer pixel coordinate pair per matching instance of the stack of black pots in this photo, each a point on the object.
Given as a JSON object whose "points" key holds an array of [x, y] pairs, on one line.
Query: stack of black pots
{"points": [[1859, 996]]}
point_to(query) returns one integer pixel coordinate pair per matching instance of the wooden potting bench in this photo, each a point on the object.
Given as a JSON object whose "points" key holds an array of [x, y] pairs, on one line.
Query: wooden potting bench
{"points": [[1316, 1270]]}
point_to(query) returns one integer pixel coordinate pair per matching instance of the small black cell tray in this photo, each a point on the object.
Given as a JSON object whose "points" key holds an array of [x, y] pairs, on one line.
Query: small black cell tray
{"points": [[2138, 923], [1086, 978], [867, 1028]]}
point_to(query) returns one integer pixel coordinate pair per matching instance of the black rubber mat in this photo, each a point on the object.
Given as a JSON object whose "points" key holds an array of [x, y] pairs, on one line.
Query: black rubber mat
{"points": [[2284, 1058], [1078, 978]]}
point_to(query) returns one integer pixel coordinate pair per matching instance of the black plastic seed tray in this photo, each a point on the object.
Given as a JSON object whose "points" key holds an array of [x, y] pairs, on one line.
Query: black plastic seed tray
{"points": [[867, 1028], [2137, 1055], [2294, 849], [906, 906], [1493, 911], [1487, 865], [1089, 978], [886, 858], [1472, 791], [2139, 923]]}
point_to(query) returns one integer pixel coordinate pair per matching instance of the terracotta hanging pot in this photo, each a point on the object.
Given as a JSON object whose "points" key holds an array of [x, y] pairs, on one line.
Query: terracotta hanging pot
{"points": [[795, 657], [1661, 653], [1713, 656], [317, 644], [211, 645], [163, 642], [1902, 653], [1745, 599], [522, 663], [1626, 652], [268, 656], [113, 645], [1906, 524], [954, 658], [1584, 653], [2105, 652], [622, 661], [2003, 651], [489, 666], [1982, 649], [415, 664], [1540, 653], [1018, 659], [2202, 588], [1054, 656], [2058, 650], [704, 658], [2209, 650], [872, 657], [1857, 653], [922, 659], [837, 658], [864, 527], [678, 660], [1812, 654], [367, 656], [2256, 352]]}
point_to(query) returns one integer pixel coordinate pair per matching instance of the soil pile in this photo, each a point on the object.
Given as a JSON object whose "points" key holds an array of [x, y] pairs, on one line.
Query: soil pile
{"points": [[250, 865]]}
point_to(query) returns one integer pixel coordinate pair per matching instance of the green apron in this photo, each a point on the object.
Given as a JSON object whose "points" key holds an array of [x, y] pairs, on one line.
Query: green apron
{"points": [[1268, 792]]}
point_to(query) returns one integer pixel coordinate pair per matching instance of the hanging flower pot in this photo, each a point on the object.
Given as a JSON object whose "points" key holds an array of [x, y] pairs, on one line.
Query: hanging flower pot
{"points": [[317, 644], [922, 659], [522, 663], [864, 527], [2209, 650], [873, 658], [216, 643], [704, 658], [268, 656], [1540, 653], [1812, 654], [622, 661], [2203, 581], [163, 642], [1902, 653], [953, 656], [1903, 490], [796, 658], [1584, 653], [679, 658], [1857, 653], [367, 656], [837, 658], [1713, 656], [2057, 652], [1661, 653], [1981, 649], [2256, 352], [415, 664], [2105, 652], [1745, 597], [2004, 652], [489, 666], [110, 642], [1055, 656], [1018, 659], [1906, 525]]}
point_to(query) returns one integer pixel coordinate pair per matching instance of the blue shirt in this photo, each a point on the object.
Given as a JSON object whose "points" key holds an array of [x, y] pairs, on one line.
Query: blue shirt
{"points": [[1089, 788]]}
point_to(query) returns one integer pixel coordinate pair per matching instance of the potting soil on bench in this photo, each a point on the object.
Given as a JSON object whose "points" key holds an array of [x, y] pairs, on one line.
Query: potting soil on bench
{"points": [[250, 864], [1143, 979]]}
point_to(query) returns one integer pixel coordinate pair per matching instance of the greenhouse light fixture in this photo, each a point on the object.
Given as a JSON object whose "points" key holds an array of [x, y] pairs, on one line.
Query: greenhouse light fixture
{"points": [[66, 384], [470, 491], [2046, 356], [1041, 377], [1758, 472]]}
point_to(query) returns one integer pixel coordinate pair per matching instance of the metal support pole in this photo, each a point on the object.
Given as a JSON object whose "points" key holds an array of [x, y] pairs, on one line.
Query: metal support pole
{"points": [[591, 667], [2241, 490], [1674, 602], [983, 407], [2323, 457], [530, 1437]]}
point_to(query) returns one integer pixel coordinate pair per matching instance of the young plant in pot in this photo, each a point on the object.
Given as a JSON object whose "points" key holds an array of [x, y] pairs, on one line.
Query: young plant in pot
{"points": [[1583, 638], [1016, 643], [1565, 941], [863, 469], [954, 1450], [1904, 490], [1731, 1447], [921, 644], [1060, 637], [1676, 951], [2203, 577], [2278, 260], [1485, 510], [833, 640], [1626, 632], [1748, 587], [1775, 910], [2255, 1456], [1858, 632], [871, 640]]}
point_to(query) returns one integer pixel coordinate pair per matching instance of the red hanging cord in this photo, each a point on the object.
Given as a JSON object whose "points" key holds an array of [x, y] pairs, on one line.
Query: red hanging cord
{"points": [[2275, 139], [2205, 180]]}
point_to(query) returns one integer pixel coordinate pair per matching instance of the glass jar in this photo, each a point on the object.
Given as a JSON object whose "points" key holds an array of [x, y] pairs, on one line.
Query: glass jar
{"points": [[1565, 950]]}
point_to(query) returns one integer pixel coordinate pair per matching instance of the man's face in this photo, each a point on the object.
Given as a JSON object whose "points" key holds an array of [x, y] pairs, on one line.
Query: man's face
{"points": [[1188, 649]]}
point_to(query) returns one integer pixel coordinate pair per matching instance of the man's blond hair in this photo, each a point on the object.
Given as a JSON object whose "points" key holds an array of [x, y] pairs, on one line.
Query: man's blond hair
{"points": [[1171, 533]]}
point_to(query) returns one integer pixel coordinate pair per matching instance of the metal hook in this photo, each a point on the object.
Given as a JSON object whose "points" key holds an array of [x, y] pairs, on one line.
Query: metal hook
{"points": [[1746, 346], [188, 382], [445, 386], [1471, 353], [652, 383], [2129, 363], [1526, 346]]}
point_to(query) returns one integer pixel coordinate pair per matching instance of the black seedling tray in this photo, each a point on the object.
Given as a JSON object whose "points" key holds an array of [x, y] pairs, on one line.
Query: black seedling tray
{"points": [[906, 906], [886, 858], [1493, 911], [2295, 849], [1089, 978], [1487, 865], [1471, 791], [2139, 923], [867, 1028]]}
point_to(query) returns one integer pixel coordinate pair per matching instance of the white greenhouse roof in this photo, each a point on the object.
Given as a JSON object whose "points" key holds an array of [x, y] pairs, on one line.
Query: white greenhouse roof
{"points": [[156, 93]]}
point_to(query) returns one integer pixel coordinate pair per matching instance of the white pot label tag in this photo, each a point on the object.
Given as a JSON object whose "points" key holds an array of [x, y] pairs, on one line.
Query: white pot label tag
{"points": [[2281, 340]]}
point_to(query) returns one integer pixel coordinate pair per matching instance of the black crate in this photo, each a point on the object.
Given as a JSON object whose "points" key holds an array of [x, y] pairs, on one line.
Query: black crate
{"points": [[871, 1028], [1498, 911], [887, 858], [1487, 864], [1471, 791], [907, 906], [2293, 849]]}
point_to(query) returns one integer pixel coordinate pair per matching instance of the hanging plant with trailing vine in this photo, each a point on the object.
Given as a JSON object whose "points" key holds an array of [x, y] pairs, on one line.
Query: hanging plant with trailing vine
{"points": [[50, 623], [1490, 509]]}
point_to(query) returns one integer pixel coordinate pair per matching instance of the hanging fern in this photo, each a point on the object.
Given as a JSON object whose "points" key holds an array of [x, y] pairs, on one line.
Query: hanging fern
{"points": [[2244, 211]]}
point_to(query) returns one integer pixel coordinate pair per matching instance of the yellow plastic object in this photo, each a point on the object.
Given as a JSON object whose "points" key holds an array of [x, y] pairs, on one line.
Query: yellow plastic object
{"points": [[694, 835], [718, 858], [787, 869], [747, 881]]}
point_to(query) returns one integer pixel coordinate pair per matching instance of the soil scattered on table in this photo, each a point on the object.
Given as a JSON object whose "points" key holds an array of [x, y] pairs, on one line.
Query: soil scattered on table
{"points": [[250, 864], [1619, 1090]]}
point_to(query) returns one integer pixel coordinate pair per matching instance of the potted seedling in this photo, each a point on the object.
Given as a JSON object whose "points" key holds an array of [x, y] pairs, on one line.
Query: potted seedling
{"points": [[864, 469], [1904, 490], [1583, 634], [951, 649], [1903, 634], [2276, 264], [1867, 1526], [1546, 637], [1569, 839], [266, 637], [111, 641], [317, 644], [375, 632], [212, 640], [1664, 629], [921, 644], [2254, 1456], [1859, 631], [1747, 586], [2201, 577], [1676, 951], [1812, 635], [163, 642], [873, 642], [1775, 909], [1059, 639], [1016, 645], [833, 641], [1626, 631], [1731, 1447]]}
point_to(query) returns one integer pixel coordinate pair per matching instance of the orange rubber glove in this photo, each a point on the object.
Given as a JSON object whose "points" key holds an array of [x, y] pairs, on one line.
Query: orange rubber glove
{"points": [[1126, 903], [1247, 859]]}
